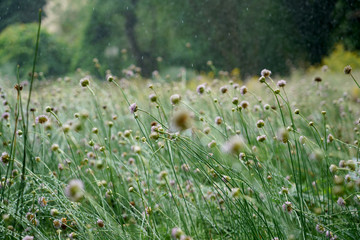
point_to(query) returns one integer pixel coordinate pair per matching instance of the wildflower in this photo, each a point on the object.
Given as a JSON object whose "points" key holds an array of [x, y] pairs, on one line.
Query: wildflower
{"points": [[133, 108], [54, 147], [223, 89], [266, 107], [235, 100], [244, 104], [162, 175], [265, 73], [287, 207], [75, 190], [317, 79], [262, 79], [6, 115], [234, 145], [281, 83], [261, 138], [212, 144], [42, 201], [41, 119], [320, 228], [347, 69], [284, 190], [218, 120], [333, 168], [153, 97], [330, 138], [175, 99], [283, 135], [110, 78], [200, 89], [181, 120], [136, 149], [54, 212], [72, 235], [351, 164], [100, 223], [84, 82], [260, 123], [176, 233], [243, 90], [341, 202], [5, 158], [57, 223], [207, 130]]}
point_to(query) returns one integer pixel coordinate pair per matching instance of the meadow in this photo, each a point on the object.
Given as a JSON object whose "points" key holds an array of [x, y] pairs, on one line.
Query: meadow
{"points": [[203, 158]]}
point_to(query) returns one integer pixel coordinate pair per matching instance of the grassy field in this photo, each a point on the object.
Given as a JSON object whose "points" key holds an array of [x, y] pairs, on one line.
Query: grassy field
{"points": [[129, 158]]}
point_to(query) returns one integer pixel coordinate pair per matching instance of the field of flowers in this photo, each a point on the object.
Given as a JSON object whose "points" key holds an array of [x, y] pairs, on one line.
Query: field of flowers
{"points": [[129, 158]]}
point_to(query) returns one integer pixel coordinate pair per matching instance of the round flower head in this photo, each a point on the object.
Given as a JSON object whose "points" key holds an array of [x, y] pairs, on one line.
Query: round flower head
{"points": [[347, 69], [84, 82], [175, 99], [341, 202], [153, 97], [200, 89], [281, 83], [320, 228], [244, 104], [181, 120], [265, 73], [5, 158], [223, 89], [6, 115], [218, 120], [243, 90], [287, 207], [234, 145], [100, 223], [317, 79], [110, 78], [75, 190], [41, 119], [133, 108], [261, 138], [42, 201], [176, 233]]}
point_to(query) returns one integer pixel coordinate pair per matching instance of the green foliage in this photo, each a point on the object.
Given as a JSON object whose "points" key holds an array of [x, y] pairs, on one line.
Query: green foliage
{"points": [[340, 57], [14, 11], [17, 44]]}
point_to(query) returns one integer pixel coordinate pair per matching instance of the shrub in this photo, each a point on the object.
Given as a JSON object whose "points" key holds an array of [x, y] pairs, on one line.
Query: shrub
{"points": [[17, 43]]}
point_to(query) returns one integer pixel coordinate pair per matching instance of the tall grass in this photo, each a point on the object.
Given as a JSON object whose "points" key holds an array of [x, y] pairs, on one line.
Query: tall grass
{"points": [[115, 160]]}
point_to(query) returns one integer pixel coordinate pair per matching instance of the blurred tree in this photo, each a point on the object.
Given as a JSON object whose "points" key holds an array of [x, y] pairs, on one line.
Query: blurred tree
{"points": [[347, 24], [14, 50], [14, 11]]}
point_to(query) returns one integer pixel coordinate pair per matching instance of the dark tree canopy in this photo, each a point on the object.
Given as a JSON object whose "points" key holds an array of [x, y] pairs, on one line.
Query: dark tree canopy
{"points": [[15, 11]]}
